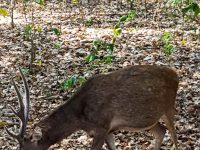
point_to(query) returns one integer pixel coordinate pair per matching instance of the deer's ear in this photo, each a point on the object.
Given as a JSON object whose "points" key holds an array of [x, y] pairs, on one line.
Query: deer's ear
{"points": [[37, 134]]}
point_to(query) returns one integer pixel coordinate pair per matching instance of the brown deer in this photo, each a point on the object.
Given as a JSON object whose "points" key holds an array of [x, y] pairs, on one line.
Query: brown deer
{"points": [[134, 98]]}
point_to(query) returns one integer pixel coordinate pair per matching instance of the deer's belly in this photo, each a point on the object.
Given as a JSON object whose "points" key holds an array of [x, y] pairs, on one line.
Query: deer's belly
{"points": [[121, 124]]}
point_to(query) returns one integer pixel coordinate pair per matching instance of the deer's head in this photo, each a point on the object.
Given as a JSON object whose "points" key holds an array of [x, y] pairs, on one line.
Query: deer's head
{"points": [[25, 141]]}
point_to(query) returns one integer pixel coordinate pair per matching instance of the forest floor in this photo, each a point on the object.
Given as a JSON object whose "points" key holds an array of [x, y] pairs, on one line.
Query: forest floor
{"points": [[63, 56]]}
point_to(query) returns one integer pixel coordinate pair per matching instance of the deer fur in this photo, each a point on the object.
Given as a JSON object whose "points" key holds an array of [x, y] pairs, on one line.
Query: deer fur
{"points": [[133, 99]]}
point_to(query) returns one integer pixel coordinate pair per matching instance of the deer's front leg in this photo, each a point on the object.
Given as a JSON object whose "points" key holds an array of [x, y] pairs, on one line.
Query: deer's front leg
{"points": [[110, 141], [99, 138]]}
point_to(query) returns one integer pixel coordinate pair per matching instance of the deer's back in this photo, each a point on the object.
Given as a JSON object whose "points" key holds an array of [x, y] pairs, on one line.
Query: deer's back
{"points": [[139, 95]]}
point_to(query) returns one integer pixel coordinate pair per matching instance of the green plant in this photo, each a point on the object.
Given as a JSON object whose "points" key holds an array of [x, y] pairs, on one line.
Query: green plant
{"points": [[28, 31], [117, 30], [3, 12], [168, 47], [72, 81], [175, 2], [90, 57], [74, 1], [56, 31], [41, 2], [108, 47], [96, 46], [193, 8], [107, 59], [31, 29], [39, 62], [104, 46], [57, 45], [88, 22]]}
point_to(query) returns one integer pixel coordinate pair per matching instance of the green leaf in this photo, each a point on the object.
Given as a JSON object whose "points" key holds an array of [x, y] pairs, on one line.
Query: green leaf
{"points": [[39, 62], [3, 12], [41, 2], [192, 7], [25, 71], [196, 9], [166, 36], [91, 57], [74, 1], [73, 79], [70, 82], [27, 31], [175, 2], [57, 45], [97, 44], [56, 31], [168, 49], [123, 18], [109, 48], [107, 59], [38, 28], [117, 26], [131, 14], [186, 9], [113, 39], [184, 42], [89, 22], [81, 80], [118, 31]]}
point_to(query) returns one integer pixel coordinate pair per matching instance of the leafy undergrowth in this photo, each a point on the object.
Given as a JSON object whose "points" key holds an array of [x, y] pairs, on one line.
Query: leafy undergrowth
{"points": [[58, 59]]}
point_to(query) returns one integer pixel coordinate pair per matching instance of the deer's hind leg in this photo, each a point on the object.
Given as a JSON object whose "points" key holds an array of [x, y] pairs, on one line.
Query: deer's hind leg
{"points": [[168, 118], [158, 132]]}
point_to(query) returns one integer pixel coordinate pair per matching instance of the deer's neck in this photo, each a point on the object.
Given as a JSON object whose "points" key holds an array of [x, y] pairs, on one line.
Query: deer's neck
{"points": [[61, 123]]}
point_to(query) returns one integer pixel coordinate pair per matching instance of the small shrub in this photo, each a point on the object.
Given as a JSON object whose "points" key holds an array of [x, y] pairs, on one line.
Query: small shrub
{"points": [[3, 12], [72, 81], [168, 47]]}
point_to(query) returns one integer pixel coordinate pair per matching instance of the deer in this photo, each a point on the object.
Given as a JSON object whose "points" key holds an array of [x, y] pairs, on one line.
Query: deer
{"points": [[135, 98]]}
